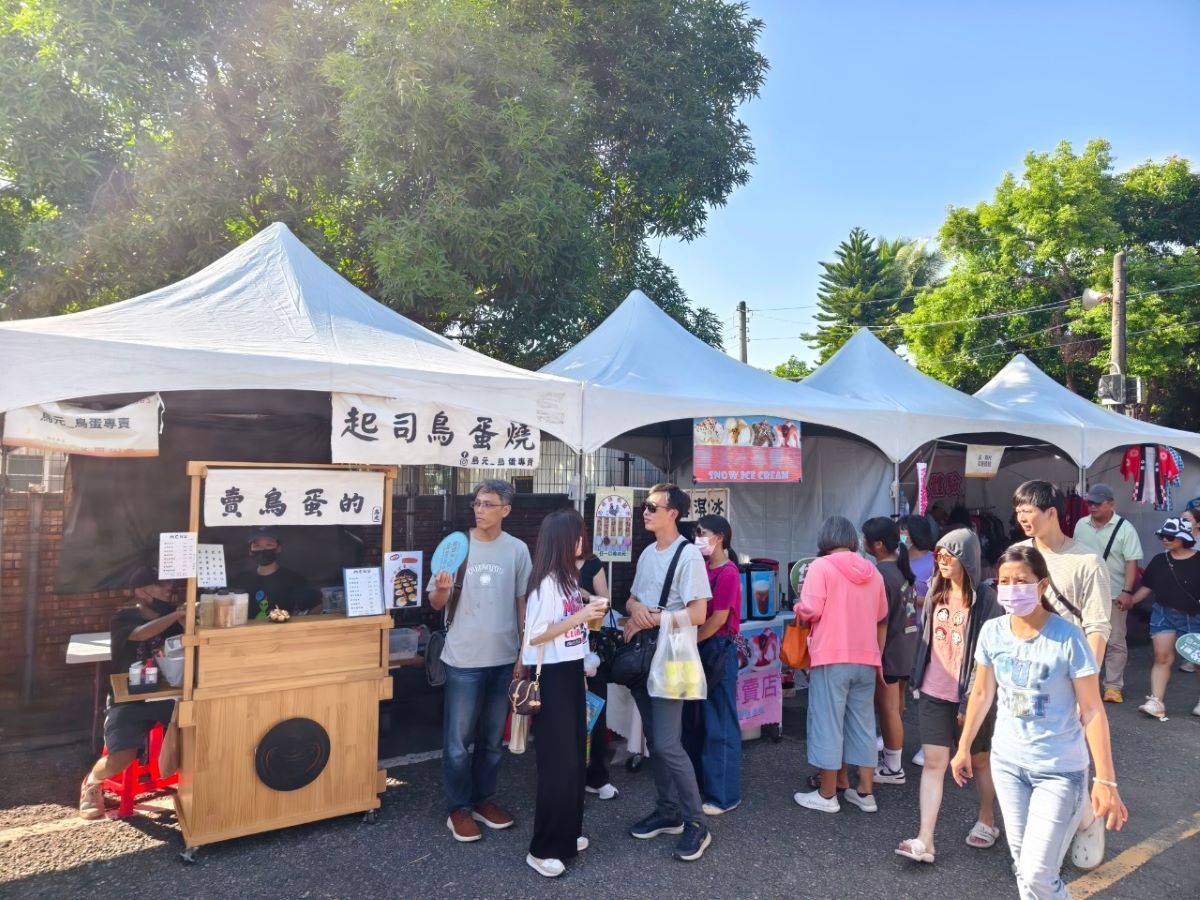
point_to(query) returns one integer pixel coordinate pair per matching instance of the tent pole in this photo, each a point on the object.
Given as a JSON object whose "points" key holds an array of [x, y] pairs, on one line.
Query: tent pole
{"points": [[1082, 480], [580, 481], [896, 488]]}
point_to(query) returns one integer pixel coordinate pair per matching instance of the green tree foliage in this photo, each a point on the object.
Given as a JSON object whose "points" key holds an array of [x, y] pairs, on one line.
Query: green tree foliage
{"points": [[490, 169], [1020, 263], [869, 283], [794, 369]]}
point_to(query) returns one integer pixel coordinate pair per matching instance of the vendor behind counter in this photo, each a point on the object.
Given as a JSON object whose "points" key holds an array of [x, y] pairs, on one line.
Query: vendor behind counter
{"points": [[270, 585]]}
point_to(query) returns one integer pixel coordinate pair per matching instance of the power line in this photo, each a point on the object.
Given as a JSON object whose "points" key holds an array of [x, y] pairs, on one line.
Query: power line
{"points": [[1073, 343]]}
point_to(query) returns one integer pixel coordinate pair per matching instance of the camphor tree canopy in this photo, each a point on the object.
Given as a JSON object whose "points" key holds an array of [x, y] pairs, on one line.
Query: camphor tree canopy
{"points": [[489, 168]]}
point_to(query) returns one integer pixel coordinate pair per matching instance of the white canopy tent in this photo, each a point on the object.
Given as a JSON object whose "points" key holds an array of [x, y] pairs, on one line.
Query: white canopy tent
{"points": [[1022, 389], [921, 408], [640, 367], [269, 314]]}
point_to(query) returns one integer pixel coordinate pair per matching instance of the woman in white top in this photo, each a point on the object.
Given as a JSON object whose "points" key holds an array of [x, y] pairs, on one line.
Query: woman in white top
{"points": [[557, 614]]}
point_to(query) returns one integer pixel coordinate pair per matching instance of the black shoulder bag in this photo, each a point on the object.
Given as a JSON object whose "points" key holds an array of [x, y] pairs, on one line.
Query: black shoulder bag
{"points": [[632, 660], [1112, 537], [435, 669]]}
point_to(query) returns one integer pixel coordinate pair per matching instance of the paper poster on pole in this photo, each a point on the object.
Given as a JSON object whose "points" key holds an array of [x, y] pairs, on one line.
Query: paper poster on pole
{"points": [[386, 431], [983, 461], [176, 554], [754, 450], [210, 566], [403, 577], [364, 591], [292, 497], [612, 526]]}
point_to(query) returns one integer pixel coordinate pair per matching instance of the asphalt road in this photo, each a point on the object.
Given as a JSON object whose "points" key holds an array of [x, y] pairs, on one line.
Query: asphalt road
{"points": [[769, 847]]}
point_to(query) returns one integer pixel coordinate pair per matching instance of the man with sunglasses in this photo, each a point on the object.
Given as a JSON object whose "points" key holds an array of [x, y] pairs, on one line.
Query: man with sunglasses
{"points": [[481, 657], [1116, 542], [678, 809]]}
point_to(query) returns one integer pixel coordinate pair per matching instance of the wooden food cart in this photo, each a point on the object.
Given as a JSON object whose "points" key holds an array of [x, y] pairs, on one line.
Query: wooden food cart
{"points": [[279, 723]]}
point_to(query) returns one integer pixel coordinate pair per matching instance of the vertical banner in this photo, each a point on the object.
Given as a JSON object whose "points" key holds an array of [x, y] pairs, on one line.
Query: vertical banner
{"points": [[983, 461], [612, 526], [755, 450], [922, 488], [760, 674]]}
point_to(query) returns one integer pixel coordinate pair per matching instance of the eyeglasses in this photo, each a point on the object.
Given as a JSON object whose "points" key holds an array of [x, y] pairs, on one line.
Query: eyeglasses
{"points": [[945, 556], [483, 504], [652, 507]]}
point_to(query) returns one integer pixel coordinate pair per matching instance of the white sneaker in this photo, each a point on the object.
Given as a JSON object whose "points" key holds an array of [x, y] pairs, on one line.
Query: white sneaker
{"points": [[1186, 666], [919, 758], [711, 809], [1196, 709], [1154, 707], [814, 800], [605, 792], [582, 843], [884, 775], [864, 802], [551, 868]]}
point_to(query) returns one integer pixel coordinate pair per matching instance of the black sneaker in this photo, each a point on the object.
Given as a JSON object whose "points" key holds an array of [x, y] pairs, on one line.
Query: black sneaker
{"points": [[654, 825], [695, 840]]}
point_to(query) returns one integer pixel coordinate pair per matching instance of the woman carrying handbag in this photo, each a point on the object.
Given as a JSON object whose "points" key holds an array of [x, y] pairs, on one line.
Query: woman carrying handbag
{"points": [[556, 629]]}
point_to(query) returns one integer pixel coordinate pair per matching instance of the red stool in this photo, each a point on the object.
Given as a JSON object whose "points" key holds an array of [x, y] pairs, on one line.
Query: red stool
{"points": [[139, 778]]}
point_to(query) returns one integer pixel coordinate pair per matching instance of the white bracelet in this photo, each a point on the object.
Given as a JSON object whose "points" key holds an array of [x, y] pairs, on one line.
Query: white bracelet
{"points": [[1111, 784]]}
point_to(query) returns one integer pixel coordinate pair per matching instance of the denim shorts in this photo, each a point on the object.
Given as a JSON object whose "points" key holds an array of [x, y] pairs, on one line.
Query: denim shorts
{"points": [[1163, 619]]}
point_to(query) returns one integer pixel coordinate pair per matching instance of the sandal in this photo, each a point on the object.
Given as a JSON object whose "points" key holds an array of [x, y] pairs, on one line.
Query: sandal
{"points": [[1087, 847], [981, 836], [915, 849]]}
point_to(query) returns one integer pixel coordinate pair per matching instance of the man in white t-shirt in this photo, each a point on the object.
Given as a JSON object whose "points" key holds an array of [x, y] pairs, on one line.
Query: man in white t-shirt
{"points": [[678, 810], [481, 659], [1116, 542]]}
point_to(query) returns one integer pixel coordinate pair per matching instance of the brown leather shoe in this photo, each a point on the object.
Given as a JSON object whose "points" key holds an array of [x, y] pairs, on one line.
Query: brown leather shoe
{"points": [[491, 815], [462, 826]]}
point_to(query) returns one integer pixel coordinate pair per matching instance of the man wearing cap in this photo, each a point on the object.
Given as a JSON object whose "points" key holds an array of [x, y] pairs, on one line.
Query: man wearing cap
{"points": [[135, 633], [271, 586], [1115, 541]]}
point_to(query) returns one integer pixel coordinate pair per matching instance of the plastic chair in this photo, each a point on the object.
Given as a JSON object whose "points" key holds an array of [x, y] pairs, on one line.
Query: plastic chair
{"points": [[139, 777]]}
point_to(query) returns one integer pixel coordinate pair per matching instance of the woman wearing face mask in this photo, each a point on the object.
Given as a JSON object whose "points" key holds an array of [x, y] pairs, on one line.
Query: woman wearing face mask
{"points": [[1050, 714], [881, 540], [955, 613], [711, 734]]}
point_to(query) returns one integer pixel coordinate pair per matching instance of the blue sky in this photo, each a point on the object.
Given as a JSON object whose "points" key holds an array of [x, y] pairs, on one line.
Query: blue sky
{"points": [[885, 114]]}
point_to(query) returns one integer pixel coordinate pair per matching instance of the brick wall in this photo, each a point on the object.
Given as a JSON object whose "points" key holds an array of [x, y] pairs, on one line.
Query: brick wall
{"points": [[57, 616]]}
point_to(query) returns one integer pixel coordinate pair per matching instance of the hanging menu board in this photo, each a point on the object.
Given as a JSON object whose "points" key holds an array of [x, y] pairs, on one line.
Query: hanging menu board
{"points": [[364, 591], [612, 527]]}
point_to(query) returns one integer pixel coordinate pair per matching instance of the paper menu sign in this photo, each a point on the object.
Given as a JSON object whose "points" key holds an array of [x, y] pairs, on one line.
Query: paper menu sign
{"points": [[402, 579], [210, 566], [364, 591], [982, 461], [176, 554]]}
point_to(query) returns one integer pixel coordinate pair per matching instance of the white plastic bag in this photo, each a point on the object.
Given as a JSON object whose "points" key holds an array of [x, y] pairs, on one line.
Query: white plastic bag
{"points": [[676, 672]]}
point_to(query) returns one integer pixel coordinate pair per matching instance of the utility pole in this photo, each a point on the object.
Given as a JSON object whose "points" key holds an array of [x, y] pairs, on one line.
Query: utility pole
{"points": [[742, 338], [1117, 352]]}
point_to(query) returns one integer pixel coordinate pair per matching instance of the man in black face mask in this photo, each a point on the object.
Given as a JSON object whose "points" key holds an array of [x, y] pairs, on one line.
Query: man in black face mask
{"points": [[135, 633], [270, 583]]}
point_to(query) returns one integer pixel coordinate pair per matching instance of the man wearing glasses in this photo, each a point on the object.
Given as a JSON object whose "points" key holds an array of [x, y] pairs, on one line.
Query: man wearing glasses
{"points": [[481, 657], [678, 809], [1116, 542]]}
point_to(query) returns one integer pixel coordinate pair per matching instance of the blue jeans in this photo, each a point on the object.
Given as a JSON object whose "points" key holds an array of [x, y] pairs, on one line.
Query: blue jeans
{"points": [[475, 711], [712, 736], [1041, 812]]}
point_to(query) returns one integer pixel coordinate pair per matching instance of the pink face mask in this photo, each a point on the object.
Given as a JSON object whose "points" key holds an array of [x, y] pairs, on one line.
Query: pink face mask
{"points": [[704, 545], [1018, 599]]}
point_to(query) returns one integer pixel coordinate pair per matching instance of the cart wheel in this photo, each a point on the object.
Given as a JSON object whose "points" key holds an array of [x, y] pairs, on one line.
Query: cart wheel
{"points": [[369, 817], [634, 762], [188, 856]]}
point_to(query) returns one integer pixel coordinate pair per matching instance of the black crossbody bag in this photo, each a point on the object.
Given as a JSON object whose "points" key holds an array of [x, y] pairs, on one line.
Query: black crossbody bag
{"points": [[632, 660]]}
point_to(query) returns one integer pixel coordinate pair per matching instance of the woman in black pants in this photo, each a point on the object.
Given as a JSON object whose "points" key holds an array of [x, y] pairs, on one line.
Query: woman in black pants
{"points": [[556, 640], [593, 583]]}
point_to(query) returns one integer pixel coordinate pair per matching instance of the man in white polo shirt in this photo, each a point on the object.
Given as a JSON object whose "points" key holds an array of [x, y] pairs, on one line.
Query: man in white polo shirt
{"points": [[1116, 542]]}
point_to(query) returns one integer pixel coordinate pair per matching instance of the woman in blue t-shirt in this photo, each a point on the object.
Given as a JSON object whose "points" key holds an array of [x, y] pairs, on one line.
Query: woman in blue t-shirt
{"points": [[1049, 715]]}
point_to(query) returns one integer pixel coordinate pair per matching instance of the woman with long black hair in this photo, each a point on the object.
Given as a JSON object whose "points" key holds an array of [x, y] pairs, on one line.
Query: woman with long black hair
{"points": [[556, 640], [711, 733], [881, 540]]}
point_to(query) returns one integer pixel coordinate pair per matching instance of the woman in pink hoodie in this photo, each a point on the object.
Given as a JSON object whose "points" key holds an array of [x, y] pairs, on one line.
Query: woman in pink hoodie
{"points": [[845, 601]]}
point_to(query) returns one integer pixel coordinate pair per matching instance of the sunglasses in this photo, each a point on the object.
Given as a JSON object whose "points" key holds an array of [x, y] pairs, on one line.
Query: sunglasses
{"points": [[652, 508], [945, 556]]}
